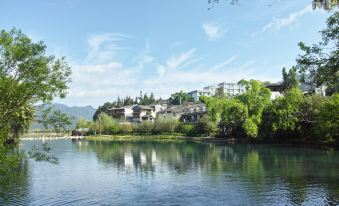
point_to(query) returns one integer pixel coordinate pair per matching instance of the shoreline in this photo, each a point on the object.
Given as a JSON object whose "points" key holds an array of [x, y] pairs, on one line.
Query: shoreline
{"points": [[176, 137], [206, 139]]}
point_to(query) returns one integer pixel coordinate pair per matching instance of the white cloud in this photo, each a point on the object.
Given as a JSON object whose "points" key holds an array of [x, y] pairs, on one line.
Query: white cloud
{"points": [[213, 30], [103, 47], [180, 61], [95, 83], [278, 23]]}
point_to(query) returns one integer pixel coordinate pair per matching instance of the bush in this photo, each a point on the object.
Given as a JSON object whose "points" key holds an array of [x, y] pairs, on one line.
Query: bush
{"points": [[188, 129], [126, 129], [328, 120], [163, 125], [144, 127], [207, 126]]}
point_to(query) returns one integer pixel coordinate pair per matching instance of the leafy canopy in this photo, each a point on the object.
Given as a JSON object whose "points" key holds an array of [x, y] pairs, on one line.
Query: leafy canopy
{"points": [[321, 61], [27, 76]]}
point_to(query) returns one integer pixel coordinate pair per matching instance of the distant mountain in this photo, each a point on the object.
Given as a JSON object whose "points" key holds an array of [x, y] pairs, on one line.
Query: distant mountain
{"points": [[77, 112]]}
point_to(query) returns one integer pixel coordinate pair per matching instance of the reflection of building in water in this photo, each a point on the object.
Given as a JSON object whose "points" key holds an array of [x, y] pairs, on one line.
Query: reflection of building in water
{"points": [[154, 157], [128, 159], [143, 158]]}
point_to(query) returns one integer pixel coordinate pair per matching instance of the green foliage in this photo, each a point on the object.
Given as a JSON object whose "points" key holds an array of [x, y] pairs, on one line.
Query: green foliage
{"points": [[328, 122], [167, 125], [180, 97], [321, 61], [103, 109], [250, 128], [144, 127], [125, 128], [233, 117], [290, 79], [82, 123], [59, 121], [282, 116], [187, 129], [243, 112], [27, 76], [207, 126], [106, 124]]}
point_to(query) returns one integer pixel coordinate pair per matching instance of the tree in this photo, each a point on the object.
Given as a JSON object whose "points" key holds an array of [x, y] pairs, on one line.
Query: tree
{"points": [[82, 123], [282, 117], [328, 119], [322, 4], [103, 109], [180, 97], [256, 98], [27, 76], [58, 120], [233, 117], [290, 79], [321, 61], [106, 124]]}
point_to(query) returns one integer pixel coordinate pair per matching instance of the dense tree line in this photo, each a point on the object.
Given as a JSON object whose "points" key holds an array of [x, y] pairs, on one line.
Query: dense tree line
{"points": [[293, 116]]}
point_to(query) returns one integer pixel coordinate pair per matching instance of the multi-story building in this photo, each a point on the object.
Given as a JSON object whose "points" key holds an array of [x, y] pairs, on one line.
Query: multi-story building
{"points": [[121, 113], [196, 94], [143, 113], [223, 89], [187, 112], [230, 89]]}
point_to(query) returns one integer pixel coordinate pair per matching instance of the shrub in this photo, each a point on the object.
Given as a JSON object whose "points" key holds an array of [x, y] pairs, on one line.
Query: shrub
{"points": [[328, 120], [163, 125], [188, 129], [144, 127], [126, 129]]}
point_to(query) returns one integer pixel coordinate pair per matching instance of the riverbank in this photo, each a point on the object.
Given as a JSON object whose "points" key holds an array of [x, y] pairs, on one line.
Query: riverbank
{"points": [[156, 137], [204, 139]]}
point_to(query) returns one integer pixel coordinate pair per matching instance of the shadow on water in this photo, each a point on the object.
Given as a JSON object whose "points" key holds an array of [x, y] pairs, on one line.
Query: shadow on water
{"points": [[14, 183], [304, 175]]}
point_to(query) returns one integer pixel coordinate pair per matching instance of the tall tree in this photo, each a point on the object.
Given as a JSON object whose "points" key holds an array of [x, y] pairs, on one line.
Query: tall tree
{"points": [[59, 121], [180, 97], [27, 76], [321, 61], [290, 79]]}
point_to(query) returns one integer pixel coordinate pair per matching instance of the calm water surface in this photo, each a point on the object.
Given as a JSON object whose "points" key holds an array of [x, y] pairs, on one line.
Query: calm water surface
{"points": [[156, 173]]}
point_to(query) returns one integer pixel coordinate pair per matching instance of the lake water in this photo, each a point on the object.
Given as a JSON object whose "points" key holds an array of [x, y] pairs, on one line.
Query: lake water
{"points": [[175, 173]]}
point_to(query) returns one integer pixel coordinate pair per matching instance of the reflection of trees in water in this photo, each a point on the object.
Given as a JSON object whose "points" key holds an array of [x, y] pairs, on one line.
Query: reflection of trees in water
{"points": [[299, 170], [14, 183]]}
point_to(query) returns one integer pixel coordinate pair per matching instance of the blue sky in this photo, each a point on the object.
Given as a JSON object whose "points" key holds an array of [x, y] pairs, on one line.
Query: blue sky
{"points": [[117, 48]]}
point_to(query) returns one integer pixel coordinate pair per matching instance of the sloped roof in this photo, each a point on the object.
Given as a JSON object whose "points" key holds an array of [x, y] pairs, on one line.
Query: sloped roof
{"points": [[144, 107]]}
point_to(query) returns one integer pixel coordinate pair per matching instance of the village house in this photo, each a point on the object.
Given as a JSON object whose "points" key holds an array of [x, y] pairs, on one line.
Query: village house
{"points": [[121, 113], [143, 113], [277, 89], [189, 112]]}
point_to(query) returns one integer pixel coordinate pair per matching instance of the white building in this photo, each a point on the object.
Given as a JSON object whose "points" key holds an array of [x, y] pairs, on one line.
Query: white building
{"points": [[143, 113], [121, 113], [196, 94], [231, 89]]}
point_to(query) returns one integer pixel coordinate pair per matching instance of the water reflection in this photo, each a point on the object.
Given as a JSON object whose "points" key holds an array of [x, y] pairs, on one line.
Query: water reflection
{"points": [[297, 175], [14, 184]]}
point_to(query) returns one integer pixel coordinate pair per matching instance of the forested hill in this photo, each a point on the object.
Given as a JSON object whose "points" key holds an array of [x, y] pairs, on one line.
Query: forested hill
{"points": [[77, 112]]}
